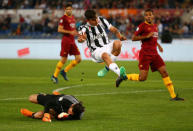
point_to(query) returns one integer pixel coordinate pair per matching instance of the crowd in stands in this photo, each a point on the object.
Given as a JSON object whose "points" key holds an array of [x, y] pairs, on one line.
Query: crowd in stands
{"points": [[178, 25], [80, 4]]}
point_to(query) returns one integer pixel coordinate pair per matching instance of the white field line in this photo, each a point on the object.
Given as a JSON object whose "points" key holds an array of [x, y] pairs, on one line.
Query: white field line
{"points": [[96, 94]]}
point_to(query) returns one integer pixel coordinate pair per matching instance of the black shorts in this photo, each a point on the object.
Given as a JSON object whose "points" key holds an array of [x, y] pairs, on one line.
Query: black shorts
{"points": [[44, 98]]}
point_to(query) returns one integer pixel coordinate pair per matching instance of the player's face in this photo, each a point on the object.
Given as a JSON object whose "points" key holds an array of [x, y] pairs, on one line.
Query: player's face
{"points": [[149, 17], [68, 11], [93, 21], [70, 110]]}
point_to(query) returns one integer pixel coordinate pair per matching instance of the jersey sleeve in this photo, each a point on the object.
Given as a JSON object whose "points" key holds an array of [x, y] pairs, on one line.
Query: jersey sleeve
{"points": [[105, 23], [50, 104], [139, 30], [61, 21], [81, 29]]}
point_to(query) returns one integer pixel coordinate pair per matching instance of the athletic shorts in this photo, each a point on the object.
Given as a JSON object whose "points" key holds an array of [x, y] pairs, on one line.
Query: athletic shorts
{"points": [[154, 61], [97, 54], [68, 46], [44, 98]]}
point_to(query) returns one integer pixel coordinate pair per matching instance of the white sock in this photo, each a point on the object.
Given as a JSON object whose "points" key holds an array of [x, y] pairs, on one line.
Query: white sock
{"points": [[114, 68], [113, 57]]}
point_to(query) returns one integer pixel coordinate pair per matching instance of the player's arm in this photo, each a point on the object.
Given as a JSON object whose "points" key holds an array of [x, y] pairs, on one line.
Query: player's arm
{"points": [[65, 116], [117, 33], [139, 37], [49, 105], [160, 47], [62, 30], [81, 38], [82, 34]]}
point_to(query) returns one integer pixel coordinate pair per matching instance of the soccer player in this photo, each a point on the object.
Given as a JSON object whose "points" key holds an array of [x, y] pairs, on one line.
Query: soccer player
{"points": [[147, 33], [67, 28], [102, 50], [61, 107]]}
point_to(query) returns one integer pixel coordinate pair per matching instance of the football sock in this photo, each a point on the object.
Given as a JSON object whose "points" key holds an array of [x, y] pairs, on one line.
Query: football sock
{"points": [[169, 85], [71, 65], [113, 57], [107, 68], [33, 115], [114, 68], [58, 68], [133, 77]]}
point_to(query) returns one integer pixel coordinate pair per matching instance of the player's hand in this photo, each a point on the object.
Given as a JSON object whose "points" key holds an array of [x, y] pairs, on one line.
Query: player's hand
{"points": [[122, 38], [160, 49], [63, 115], [46, 117], [74, 33], [81, 38], [150, 35]]}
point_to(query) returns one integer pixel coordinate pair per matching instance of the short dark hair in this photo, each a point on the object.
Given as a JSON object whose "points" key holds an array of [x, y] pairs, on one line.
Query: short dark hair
{"points": [[149, 10], [69, 4], [90, 14], [77, 110]]}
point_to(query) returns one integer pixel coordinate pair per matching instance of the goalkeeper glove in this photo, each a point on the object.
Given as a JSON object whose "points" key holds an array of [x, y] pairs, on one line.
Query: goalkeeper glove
{"points": [[47, 117], [63, 115]]}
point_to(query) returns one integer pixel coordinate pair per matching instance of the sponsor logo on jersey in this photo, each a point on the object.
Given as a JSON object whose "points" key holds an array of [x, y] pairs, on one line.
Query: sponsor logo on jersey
{"points": [[98, 36], [72, 25]]}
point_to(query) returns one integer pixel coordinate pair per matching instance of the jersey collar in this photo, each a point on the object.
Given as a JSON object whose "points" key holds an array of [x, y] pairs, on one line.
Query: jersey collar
{"points": [[148, 23]]}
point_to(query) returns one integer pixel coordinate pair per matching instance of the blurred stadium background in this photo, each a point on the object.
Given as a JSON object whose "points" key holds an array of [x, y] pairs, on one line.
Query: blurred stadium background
{"points": [[39, 18], [28, 30]]}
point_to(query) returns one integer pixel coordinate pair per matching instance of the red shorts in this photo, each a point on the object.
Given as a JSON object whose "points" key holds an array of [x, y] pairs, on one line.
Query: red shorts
{"points": [[154, 61], [68, 46]]}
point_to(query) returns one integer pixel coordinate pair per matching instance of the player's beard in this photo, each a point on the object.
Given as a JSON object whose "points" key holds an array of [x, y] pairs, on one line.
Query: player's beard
{"points": [[68, 13], [149, 21]]}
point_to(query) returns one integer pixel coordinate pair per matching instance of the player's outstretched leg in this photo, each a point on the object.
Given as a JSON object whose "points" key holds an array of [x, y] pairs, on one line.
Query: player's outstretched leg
{"points": [[119, 81], [103, 72], [54, 79], [131, 77], [64, 75], [59, 65], [122, 76]]}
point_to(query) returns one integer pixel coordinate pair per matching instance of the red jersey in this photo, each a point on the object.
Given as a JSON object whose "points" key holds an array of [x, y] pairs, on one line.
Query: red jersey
{"points": [[68, 22], [149, 46]]}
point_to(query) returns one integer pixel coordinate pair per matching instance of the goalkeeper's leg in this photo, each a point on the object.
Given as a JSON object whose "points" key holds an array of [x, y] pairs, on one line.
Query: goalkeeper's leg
{"points": [[28, 113]]}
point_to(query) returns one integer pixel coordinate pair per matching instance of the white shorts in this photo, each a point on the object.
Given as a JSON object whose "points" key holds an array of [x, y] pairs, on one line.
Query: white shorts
{"points": [[97, 54]]}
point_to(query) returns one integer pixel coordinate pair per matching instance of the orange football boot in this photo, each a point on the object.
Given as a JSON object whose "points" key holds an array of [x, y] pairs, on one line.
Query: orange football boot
{"points": [[55, 93], [26, 112]]}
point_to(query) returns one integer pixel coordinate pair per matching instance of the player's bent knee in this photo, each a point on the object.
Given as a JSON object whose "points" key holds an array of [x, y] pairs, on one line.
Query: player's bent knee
{"points": [[105, 56], [78, 60], [33, 98], [165, 74]]}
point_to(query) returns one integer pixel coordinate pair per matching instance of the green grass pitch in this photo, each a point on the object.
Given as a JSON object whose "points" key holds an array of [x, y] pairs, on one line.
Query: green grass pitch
{"points": [[134, 106]]}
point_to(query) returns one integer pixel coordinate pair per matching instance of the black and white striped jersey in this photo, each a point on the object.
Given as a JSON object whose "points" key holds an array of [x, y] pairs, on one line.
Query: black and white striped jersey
{"points": [[96, 35]]}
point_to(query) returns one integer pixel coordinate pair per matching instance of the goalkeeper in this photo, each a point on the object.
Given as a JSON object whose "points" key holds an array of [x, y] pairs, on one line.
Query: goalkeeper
{"points": [[61, 107]]}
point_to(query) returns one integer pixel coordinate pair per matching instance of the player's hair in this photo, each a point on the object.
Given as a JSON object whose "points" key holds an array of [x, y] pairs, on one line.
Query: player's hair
{"points": [[149, 10], [78, 109], [69, 4], [90, 14]]}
